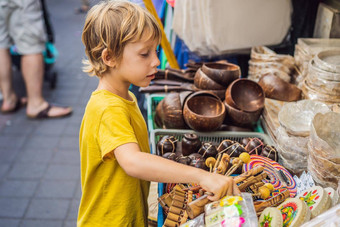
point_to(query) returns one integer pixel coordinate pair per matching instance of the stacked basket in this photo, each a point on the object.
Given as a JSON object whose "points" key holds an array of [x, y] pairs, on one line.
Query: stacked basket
{"points": [[293, 133], [264, 61], [324, 149], [323, 80]]}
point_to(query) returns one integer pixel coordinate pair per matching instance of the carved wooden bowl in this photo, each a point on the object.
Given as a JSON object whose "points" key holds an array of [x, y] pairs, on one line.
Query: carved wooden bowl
{"points": [[203, 111], [241, 118], [276, 88], [245, 95], [202, 81], [169, 112], [222, 73]]}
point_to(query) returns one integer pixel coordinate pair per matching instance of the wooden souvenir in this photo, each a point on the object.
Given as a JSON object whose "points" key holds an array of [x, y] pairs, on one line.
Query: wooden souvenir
{"points": [[270, 152], [169, 112], [202, 81], [246, 95], [208, 150], [222, 73], [276, 88], [271, 217], [171, 156], [166, 144], [253, 145], [210, 162], [317, 200], [224, 146], [273, 201], [234, 150], [190, 144], [278, 176], [294, 212], [238, 162], [203, 111], [333, 195], [223, 163], [184, 160]]}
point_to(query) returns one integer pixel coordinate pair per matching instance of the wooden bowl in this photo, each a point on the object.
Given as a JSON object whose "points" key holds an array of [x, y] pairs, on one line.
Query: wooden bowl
{"points": [[222, 73], [203, 82], [169, 112], [203, 111], [276, 88], [246, 95], [241, 118]]}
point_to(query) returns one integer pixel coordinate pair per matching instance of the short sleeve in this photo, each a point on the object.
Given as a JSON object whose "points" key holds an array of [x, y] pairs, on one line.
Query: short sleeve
{"points": [[114, 130]]}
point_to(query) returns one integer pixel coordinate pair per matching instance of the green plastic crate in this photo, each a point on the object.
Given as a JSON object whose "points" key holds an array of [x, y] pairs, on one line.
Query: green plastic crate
{"points": [[154, 99], [214, 137]]}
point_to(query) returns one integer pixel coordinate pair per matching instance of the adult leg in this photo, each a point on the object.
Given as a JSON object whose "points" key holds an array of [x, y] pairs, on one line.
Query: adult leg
{"points": [[9, 96], [32, 66]]}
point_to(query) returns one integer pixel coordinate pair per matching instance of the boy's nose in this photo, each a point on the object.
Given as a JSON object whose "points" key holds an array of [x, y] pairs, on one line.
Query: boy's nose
{"points": [[156, 62]]}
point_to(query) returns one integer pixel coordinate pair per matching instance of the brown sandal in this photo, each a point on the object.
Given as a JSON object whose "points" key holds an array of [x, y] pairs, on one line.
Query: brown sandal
{"points": [[44, 113]]}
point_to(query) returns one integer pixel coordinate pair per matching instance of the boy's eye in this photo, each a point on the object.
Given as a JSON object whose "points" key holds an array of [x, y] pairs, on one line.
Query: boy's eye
{"points": [[145, 54]]}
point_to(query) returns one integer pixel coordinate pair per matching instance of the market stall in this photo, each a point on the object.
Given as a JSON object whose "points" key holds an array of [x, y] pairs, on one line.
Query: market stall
{"points": [[275, 131]]}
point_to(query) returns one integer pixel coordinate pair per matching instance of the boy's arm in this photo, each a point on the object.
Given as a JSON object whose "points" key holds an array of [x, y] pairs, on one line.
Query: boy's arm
{"points": [[154, 168]]}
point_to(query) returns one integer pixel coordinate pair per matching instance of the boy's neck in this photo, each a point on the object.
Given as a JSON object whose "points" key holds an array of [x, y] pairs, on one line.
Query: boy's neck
{"points": [[121, 90]]}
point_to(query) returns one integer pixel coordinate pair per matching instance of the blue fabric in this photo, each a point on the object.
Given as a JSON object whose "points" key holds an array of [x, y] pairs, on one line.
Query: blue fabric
{"points": [[160, 217]]}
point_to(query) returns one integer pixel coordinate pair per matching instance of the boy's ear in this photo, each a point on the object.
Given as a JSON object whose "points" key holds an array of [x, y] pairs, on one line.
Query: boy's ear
{"points": [[108, 59]]}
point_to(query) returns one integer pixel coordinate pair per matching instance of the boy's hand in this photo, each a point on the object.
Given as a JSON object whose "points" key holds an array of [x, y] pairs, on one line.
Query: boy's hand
{"points": [[219, 185]]}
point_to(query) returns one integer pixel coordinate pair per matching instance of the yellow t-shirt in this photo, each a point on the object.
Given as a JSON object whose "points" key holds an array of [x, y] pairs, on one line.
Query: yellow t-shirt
{"points": [[110, 197]]}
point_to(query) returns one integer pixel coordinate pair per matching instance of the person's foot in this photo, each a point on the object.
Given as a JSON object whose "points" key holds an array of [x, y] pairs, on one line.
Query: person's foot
{"points": [[48, 110], [13, 104], [82, 9]]}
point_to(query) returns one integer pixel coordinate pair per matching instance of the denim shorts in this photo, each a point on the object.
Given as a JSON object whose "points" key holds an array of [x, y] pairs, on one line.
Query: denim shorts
{"points": [[22, 24]]}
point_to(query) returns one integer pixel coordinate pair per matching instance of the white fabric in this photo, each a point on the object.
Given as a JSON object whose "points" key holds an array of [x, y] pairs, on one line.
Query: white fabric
{"points": [[214, 27]]}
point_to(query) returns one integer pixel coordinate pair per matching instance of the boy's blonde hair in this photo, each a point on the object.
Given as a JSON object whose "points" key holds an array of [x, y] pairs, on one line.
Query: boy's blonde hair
{"points": [[111, 25]]}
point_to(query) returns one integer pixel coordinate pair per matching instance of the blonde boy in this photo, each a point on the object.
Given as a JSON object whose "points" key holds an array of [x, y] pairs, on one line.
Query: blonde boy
{"points": [[121, 40]]}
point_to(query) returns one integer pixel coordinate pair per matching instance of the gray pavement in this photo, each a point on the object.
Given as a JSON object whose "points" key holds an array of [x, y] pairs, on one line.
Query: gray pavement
{"points": [[39, 159]]}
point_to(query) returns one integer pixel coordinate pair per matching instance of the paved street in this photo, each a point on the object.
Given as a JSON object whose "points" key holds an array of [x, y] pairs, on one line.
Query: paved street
{"points": [[39, 159]]}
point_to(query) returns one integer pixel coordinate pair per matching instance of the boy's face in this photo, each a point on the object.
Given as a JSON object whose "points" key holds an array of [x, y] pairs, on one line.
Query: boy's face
{"points": [[139, 63]]}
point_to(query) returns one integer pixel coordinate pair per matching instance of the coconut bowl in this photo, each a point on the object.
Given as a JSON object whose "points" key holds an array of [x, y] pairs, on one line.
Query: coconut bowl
{"points": [[246, 95], [241, 118], [169, 112], [203, 111], [222, 73], [202, 81], [276, 88]]}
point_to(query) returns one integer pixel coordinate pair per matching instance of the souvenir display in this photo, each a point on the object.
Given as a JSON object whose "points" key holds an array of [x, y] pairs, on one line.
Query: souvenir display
{"points": [[203, 111], [276, 88], [166, 144], [324, 149], [271, 216], [190, 144], [250, 101], [333, 195], [174, 204], [317, 200], [307, 48], [233, 211], [277, 197], [222, 73], [296, 117], [169, 113], [294, 212], [292, 151], [303, 182], [323, 79], [277, 174], [263, 61], [269, 118], [305, 135]]}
